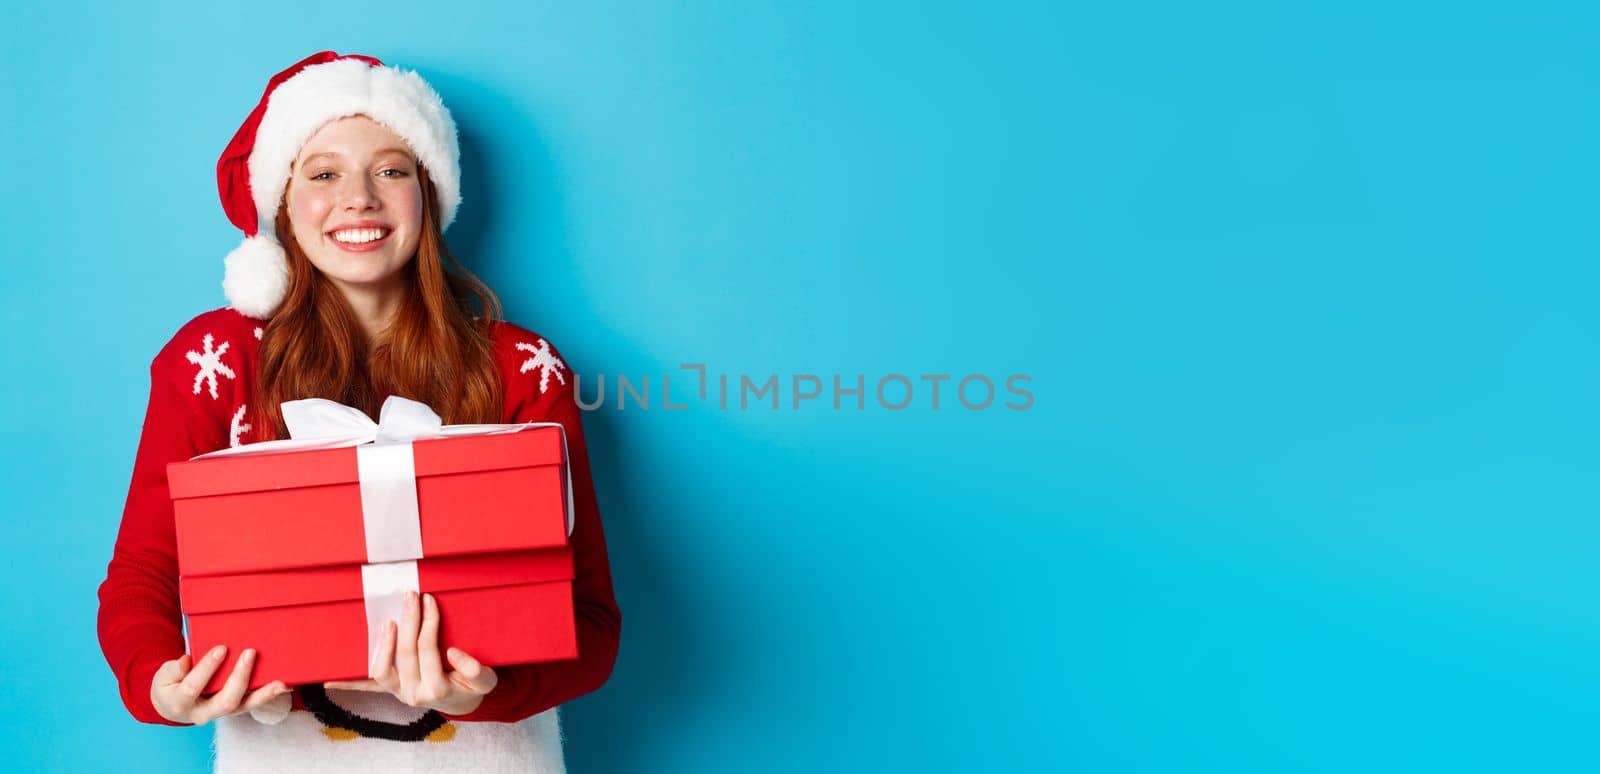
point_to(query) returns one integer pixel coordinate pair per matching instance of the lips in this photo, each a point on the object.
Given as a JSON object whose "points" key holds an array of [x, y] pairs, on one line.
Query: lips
{"points": [[361, 237]]}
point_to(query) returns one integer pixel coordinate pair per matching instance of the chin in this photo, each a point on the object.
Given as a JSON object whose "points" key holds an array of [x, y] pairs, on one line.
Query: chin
{"points": [[362, 270], [366, 279]]}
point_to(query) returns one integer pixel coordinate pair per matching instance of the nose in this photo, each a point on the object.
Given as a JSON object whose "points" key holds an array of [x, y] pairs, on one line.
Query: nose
{"points": [[357, 194]]}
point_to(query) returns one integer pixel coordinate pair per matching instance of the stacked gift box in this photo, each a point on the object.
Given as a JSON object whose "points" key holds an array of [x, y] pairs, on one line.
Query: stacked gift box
{"points": [[306, 554]]}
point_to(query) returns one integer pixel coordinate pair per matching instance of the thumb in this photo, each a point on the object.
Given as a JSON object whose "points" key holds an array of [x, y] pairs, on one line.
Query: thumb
{"points": [[470, 673], [274, 711], [173, 671]]}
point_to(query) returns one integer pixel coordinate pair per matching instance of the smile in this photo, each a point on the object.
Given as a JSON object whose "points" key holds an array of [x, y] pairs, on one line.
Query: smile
{"points": [[360, 240]]}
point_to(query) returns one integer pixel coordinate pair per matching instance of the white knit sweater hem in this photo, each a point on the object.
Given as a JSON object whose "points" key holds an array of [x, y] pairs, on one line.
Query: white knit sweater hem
{"points": [[301, 743]]}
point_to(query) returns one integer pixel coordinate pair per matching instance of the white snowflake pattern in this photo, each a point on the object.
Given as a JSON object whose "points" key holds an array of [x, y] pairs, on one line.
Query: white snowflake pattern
{"points": [[210, 363], [258, 333], [545, 361], [237, 427]]}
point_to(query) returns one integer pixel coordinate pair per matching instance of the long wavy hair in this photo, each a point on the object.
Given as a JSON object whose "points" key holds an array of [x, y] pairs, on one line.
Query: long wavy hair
{"points": [[438, 349]]}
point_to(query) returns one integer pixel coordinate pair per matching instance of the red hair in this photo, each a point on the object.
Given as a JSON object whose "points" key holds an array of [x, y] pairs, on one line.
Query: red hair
{"points": [[438, 349]]}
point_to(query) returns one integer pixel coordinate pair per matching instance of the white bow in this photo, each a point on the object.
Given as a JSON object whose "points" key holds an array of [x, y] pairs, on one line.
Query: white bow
{"points": [[318, 423]]}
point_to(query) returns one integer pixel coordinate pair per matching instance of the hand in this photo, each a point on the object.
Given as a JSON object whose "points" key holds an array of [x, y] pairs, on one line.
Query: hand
{"points": [[413, 671], [175, 691]]}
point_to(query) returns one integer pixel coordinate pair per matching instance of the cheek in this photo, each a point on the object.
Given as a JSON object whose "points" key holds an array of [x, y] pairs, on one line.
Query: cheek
{"points": [[307, 211], [404, 205], [408, 202]]}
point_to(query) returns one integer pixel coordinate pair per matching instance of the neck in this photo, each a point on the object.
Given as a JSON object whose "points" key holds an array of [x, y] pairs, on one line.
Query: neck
{"points": [[374, 306]]}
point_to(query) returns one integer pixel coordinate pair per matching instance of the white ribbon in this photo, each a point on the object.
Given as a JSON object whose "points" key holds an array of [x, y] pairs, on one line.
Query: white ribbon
{"points": [[389, 513], [388, 479], [317, 423], [383, 589]]}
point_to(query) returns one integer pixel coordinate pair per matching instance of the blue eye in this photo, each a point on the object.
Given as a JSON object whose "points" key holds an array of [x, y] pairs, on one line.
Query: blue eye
{"points": [[398, 173]]}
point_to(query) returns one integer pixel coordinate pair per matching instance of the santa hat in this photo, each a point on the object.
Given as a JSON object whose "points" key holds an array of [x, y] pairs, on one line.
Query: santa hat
{"points": [[254, 168]]}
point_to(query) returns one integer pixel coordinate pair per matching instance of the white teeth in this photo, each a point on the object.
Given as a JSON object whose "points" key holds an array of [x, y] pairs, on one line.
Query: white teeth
{"points": [[358, 236]]}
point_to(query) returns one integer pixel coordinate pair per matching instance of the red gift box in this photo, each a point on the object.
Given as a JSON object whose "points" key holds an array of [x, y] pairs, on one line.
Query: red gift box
{"points": [[309, 626], [273, 553], [276, 511]]}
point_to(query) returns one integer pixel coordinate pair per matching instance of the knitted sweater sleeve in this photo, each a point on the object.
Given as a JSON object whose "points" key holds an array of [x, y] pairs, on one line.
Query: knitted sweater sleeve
{"points": [[139, 625], [528, 689]]}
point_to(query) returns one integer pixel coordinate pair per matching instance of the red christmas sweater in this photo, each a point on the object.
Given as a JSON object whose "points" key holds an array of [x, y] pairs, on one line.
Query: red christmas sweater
{"points": [[201, 384]]}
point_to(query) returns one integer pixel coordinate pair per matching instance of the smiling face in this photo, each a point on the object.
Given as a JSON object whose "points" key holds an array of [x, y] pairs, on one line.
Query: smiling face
{"points": [[355, 204]]}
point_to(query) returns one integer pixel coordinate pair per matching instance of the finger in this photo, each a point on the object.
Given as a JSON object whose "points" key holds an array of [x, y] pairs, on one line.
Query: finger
{"points": [[382, 668], [274, 711], [429, 666], [383, 655], [355, 685], [405, 656], [470, 674], [261, 696], [165, 695], [226, 701], [172, 671], [195, 682]]}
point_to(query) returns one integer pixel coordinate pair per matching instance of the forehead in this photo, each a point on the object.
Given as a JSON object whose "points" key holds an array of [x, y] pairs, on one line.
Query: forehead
{"points": [[353, 137]]}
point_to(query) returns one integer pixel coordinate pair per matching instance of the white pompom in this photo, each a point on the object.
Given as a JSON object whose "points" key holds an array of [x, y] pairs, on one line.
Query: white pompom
{"points": [[274, 711], [255, 276]]}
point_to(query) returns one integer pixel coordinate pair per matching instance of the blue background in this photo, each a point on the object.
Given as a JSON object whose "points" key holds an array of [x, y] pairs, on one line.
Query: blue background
{"points": [[1307, 297]]}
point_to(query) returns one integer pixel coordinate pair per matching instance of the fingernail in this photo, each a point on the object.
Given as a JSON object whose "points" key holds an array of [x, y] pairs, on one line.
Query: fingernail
{"points": [[248, 653], [218, 651]]}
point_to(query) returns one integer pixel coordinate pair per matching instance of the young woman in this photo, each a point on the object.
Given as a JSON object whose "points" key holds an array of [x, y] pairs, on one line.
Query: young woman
{"points": [[343, 180]]}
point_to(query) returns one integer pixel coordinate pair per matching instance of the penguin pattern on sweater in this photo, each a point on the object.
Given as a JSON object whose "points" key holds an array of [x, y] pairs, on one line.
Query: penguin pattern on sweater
{"points": [[201, 386]]}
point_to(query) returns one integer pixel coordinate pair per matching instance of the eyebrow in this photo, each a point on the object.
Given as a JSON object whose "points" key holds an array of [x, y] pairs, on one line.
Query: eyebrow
{"points": [[384, 152]]}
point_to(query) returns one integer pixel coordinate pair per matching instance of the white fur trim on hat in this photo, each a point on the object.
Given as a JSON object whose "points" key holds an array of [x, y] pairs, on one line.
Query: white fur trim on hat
{"points": [[398, 99], [256, 273], [255, 276]]}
